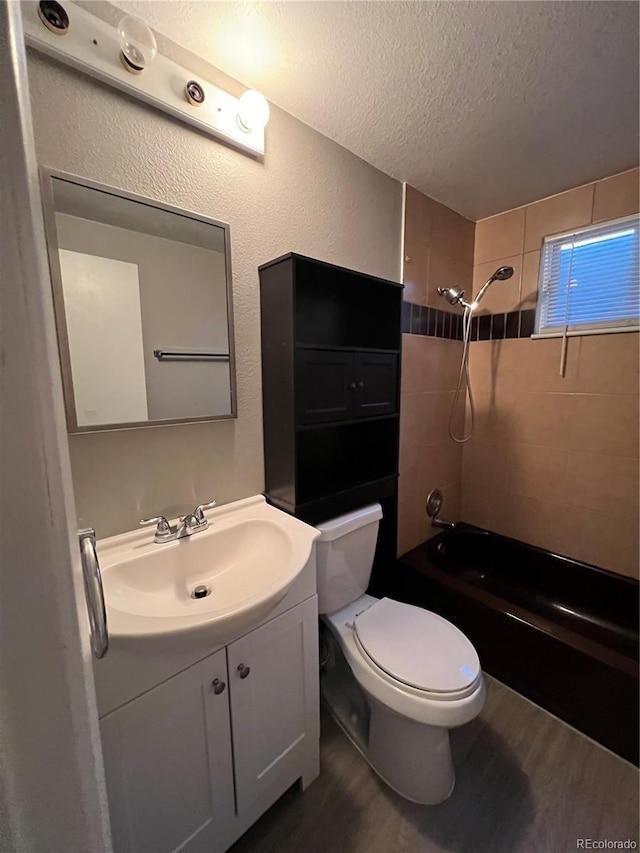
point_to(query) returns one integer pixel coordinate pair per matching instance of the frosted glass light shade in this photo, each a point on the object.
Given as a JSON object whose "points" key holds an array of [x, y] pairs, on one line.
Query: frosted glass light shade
{"points": [[137, 43], [253, 111]]}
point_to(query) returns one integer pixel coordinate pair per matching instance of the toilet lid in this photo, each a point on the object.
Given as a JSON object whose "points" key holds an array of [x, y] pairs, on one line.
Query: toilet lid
{"points": [[417, 647]]}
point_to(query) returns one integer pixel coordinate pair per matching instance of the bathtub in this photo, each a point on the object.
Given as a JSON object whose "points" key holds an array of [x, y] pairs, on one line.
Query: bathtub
{"points": [[561, 632]]}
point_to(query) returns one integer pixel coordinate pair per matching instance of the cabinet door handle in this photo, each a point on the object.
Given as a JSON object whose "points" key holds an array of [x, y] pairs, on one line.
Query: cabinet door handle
{"points": [[218, 686], [243, 670]]}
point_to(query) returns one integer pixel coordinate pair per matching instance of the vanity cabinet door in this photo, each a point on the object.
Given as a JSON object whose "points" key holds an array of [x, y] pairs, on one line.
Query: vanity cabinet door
{"points": [[168, 765], [273, 673]]}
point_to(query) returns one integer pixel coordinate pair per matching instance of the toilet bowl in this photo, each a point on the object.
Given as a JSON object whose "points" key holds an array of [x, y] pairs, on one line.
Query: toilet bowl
{"points": [[395, 677]]}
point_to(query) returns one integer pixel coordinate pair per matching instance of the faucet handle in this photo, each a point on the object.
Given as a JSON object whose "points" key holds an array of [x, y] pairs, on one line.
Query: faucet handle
{"points": [[162, 525], [199, 511]]}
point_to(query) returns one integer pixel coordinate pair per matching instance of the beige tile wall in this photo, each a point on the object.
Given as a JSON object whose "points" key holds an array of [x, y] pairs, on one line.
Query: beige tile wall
{"points": [[438, 249], [438, 252], [554, 460]]}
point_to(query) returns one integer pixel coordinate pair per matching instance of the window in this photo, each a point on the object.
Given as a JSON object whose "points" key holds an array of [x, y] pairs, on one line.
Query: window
{"points": [[589, 280]]}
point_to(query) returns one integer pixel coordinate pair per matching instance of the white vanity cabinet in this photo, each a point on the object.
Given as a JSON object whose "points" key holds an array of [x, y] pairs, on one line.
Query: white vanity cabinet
{"points": [[274, 706], [194, 761], [168, 763]]}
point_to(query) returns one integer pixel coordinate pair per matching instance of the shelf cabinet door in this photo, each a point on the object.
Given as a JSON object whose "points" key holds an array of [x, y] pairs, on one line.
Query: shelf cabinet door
{"points": [[376, 380], [274, 703], [168, 765], [324, 386]]}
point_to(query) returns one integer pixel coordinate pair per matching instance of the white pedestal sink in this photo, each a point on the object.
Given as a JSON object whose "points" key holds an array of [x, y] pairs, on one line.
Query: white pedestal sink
{"points": [[247, 559]]}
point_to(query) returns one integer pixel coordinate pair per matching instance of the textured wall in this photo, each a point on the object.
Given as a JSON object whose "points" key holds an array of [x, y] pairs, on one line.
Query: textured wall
{"points": [[309, 196], [479, 104], [554, 460], [438, 248]]}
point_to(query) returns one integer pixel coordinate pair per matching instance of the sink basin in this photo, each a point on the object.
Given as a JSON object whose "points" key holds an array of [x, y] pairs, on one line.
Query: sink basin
{"points": [[243, 565]]}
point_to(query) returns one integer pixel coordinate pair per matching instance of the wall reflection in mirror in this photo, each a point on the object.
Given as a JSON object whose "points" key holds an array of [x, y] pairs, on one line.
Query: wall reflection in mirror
{"points": [[142, 294]]}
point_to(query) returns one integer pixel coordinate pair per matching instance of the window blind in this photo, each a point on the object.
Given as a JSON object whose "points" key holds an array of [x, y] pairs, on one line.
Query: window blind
{"points": [[590, 279]]}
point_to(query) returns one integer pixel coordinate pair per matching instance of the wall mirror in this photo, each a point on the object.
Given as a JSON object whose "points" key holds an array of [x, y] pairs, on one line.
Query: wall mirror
{"points": [[142, 297]]}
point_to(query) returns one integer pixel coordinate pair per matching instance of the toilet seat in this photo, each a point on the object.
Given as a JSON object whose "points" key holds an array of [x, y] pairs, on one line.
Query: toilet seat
{"points": [[418, 648], [436, 709]]}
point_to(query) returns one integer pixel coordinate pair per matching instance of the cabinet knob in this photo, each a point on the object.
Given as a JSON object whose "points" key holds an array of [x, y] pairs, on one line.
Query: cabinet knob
{"points": [[361, 384], [243, 670], [352, 385], [218, 686]]}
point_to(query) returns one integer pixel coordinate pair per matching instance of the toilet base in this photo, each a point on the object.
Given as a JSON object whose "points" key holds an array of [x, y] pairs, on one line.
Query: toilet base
{"points": [[413, 758]]}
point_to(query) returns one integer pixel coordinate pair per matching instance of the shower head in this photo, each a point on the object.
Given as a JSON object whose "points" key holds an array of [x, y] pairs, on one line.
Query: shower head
{"points": [[455, 295], [502, 274]]}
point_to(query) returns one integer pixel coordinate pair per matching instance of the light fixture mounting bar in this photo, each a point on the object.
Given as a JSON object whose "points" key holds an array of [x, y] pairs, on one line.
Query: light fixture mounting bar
{"points": [[91, 46]]}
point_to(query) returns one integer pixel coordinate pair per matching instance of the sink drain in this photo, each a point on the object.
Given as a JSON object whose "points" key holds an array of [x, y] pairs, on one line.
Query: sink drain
{"points": [[201, 591]]}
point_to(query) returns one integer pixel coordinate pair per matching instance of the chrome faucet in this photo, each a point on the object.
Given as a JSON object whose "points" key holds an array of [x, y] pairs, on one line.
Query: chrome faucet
{"points": [[187, 525]]}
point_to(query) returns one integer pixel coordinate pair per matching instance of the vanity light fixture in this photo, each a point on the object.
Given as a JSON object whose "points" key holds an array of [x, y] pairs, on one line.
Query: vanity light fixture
{"points": [[253, 111], [127, 58], [53, 16], [137, 44], [194, 93]]}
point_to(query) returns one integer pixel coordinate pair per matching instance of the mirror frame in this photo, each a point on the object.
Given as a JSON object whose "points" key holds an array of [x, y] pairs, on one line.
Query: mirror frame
{"points": [[47, 175]]}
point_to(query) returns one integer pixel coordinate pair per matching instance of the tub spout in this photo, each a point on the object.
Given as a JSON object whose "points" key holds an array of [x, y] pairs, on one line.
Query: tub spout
{"points": [[440, 522], [434, 505]]}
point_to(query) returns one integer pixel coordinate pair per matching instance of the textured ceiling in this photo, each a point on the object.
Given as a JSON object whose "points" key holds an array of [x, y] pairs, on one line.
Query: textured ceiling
{"points": [[482, 105]]}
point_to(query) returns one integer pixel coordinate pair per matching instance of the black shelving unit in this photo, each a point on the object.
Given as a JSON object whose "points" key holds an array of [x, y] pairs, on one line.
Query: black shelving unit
{"points": [[331, 348]]}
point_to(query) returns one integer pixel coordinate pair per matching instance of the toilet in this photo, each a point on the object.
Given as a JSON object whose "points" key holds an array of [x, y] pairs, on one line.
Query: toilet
{"points": [[395, 677]]}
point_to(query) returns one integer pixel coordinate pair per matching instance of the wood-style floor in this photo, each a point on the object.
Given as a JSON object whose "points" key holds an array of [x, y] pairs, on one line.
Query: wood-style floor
{"points": [[526, 783]]}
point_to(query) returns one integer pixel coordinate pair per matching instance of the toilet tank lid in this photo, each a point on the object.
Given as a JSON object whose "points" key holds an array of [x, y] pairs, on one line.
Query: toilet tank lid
{"points": [[343, 524]]}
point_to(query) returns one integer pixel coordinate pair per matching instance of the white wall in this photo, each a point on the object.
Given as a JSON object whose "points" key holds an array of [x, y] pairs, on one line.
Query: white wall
{"points": [[309, 195]]}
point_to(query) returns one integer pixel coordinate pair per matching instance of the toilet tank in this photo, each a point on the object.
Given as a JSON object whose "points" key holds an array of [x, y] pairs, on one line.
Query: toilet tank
{"points": [[344, 557]]}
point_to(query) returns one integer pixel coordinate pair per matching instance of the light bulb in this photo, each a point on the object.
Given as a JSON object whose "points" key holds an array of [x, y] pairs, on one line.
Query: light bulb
{"points": [[137, 43], [253, 111]]}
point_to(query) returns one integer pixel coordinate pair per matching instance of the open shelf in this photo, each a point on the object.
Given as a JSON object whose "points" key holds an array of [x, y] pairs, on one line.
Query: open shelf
{"points": [[342, 456], [339, 308], [304, 345], [306, 427]]}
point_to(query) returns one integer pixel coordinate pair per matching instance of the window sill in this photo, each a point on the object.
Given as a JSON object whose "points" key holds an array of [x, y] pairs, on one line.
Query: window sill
{"points": [[574, 333]]}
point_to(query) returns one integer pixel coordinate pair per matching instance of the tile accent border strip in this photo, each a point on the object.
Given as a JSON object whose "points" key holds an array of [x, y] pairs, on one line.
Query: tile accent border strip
{"points": [[436, 323], [432, 322]]}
